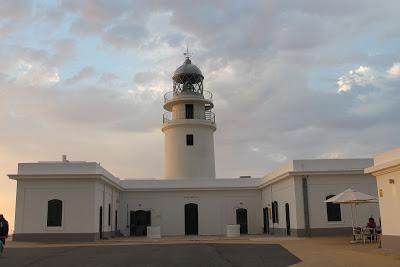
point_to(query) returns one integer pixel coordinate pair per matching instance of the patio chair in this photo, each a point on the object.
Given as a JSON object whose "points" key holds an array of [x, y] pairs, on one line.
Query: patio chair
{"points": [[376, 235], [357, 234], [369, 233]]}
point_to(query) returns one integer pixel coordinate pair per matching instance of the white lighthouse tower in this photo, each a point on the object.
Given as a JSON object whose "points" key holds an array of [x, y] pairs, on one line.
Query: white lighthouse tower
{"points": [[188, 126]]}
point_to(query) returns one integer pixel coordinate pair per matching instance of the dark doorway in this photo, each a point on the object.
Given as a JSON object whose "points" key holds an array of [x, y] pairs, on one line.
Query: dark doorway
{"points": [[189, 111], [333, 211], [287, 219], [241, 219], [191, 219], [140, 219], [101, 222], [116, 222], [266, 220]]}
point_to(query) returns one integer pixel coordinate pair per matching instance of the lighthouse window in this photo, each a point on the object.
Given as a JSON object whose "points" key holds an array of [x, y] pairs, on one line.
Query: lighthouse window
{"points": [[189, 139], [189, 111]]}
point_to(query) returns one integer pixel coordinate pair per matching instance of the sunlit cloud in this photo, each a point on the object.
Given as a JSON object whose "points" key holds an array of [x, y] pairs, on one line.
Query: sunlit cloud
{"points": [[34, 74], [361, 76], [73, 69], [394, 70]]}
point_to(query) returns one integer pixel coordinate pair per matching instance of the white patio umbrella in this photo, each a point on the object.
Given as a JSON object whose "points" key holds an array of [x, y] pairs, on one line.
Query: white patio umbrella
{"points": [[351, 196]]}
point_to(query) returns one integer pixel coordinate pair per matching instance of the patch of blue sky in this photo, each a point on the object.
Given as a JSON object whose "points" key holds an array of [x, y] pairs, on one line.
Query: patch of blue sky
{"points": [[90, 52], [346, 55], [324, 78]]}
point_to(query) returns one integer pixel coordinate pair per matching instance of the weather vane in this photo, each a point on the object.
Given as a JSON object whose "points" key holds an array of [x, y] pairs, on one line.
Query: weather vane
{"points": [[187, 54]]}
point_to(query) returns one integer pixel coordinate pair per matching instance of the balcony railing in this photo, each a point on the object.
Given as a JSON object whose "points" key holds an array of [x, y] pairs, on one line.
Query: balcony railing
{"points": [[170, 117], [171, 94]]}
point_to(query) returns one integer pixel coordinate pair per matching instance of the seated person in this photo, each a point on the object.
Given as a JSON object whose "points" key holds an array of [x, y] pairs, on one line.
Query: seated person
{"points": [[371, 223], [372, 228]]}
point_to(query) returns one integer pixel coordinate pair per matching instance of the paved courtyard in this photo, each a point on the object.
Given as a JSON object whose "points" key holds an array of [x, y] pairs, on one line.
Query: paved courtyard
{"points": [[201, 251], [152, 255]]}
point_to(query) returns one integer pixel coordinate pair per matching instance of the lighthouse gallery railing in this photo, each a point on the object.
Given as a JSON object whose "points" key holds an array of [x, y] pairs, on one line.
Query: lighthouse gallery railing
{"points": [[170, 117], [170, 95]]}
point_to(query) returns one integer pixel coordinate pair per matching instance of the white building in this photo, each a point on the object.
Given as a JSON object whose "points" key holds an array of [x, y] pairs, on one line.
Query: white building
{"points": [[386, 168], [82, 201]]}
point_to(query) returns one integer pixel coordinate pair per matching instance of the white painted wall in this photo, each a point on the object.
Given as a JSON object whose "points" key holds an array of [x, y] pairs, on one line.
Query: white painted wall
{"points": [[386, 169], [31, 205], [179, 110], [105, 195], [290, 190], [189, 162], [216, 209], [389, 203], [218, 199], [320, 186], [283, 192]]}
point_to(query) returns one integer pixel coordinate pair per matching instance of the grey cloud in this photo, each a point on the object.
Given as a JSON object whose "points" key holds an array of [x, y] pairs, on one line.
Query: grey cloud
{"points": [[64, 50], [146, 77], [82, 27], [257, 58], [85, 73], [108, 77], [125, 35], [15, 9]]}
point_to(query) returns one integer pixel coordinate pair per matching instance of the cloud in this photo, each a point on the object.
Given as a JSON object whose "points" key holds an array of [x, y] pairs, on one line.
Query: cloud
{"points": [[34, 74], [108, 77], [361, 76], [15, 9], [63, 51], [273, 68], [125, 35], [155, 82], [394, 70], [85, 73]]}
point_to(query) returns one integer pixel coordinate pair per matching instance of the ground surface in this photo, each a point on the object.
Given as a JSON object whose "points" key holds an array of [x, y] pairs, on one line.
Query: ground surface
{"points": [[201, 251], [153, 255]]}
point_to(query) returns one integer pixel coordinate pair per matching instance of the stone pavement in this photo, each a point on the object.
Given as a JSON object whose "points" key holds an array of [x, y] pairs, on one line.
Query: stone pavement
{"points": [[152, 255], [201, 251]]}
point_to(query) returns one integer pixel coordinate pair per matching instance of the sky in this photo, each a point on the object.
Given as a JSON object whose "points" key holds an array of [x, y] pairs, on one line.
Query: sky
{"points": [[290, 79]]}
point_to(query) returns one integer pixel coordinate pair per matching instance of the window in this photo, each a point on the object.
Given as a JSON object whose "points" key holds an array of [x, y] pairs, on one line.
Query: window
{"points": [[189, 139], [189, 111], [275, 215], [109, 214], [54, 213], [333, 211]]}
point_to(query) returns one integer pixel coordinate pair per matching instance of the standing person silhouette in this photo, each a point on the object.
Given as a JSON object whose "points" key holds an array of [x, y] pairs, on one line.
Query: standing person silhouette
{"points": [[3, 232]]}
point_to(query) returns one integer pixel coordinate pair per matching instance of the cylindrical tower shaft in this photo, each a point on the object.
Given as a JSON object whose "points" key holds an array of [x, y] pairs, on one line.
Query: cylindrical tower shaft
{"points": [[189, 127]]}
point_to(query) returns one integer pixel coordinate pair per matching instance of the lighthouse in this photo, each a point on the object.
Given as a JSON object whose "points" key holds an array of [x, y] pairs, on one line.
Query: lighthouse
{"points": [[188, 126]]}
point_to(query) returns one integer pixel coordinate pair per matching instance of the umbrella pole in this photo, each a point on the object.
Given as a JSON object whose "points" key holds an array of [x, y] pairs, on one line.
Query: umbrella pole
{"points": [[355, 211], [352, 220]]}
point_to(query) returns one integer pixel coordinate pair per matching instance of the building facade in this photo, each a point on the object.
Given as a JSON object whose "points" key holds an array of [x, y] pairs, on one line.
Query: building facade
{"points": [[69, 200], [386, 169]]}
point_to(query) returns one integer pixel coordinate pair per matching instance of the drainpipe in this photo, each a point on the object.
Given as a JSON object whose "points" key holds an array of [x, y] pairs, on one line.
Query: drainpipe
{"points": [[306, 207], [273, 223], [104, 209], [112, 213]]}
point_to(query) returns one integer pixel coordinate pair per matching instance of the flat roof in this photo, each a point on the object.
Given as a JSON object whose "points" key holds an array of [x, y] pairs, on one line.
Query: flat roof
{"points": [[385, 161], [316, 166], [72, 169]]}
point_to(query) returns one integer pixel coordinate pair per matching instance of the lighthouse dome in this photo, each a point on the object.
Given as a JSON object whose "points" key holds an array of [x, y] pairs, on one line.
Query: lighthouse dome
{"points": [[188, 72]]}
